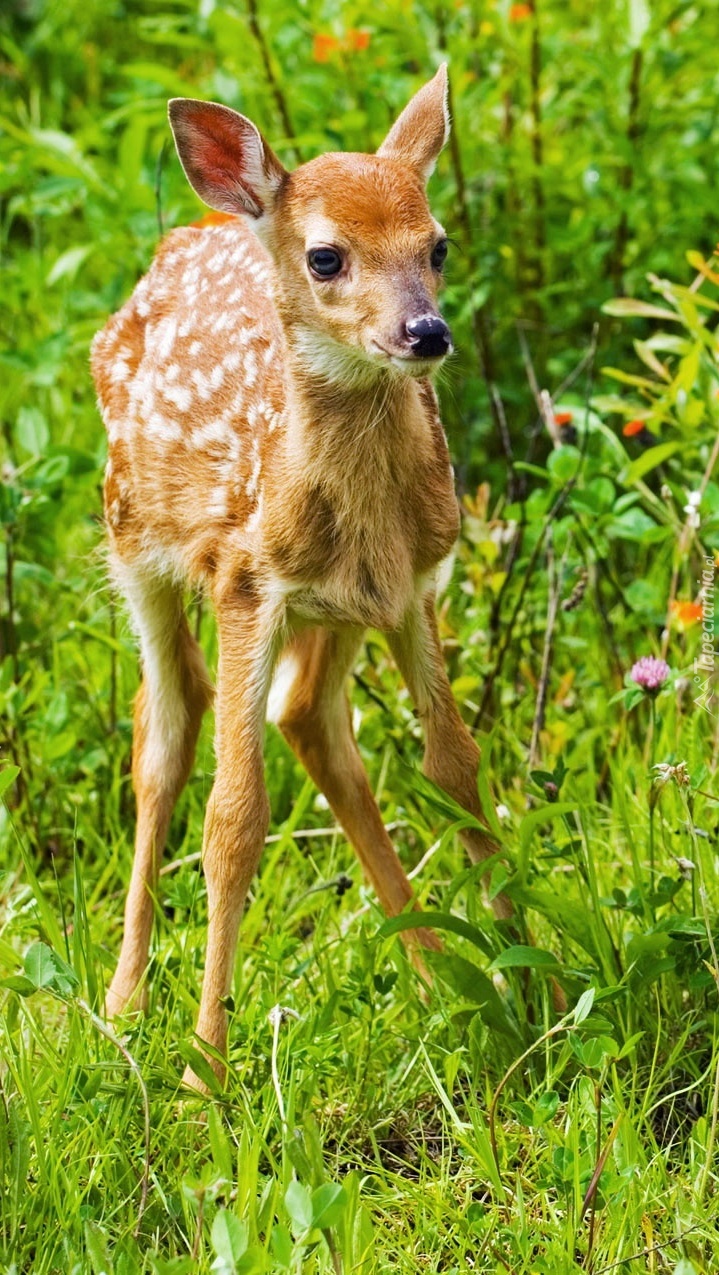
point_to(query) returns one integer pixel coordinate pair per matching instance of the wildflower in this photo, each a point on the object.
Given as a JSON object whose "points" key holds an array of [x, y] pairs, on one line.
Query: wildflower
{"points": [[213, 219], [503, 812], [323, 46], [520, 12], [691, 509], [633, 427], [357, 41], [685, 866], [678, 773], [687, 613], [650, 673]]}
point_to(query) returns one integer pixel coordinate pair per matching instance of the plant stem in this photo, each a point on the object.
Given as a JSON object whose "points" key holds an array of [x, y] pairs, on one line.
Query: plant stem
{"points": [[615, 264], [652, 743], [273, 82]]}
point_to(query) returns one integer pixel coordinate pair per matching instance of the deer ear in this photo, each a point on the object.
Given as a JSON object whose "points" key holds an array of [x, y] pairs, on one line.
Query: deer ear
{"points": [[417, 137], [226, 159]]}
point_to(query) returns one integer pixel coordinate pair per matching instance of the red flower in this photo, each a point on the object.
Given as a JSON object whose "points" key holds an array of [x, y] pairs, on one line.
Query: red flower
{"points": [[563, 418], [687, 613], [323, 46], [633, 427], [213, 219], [357, 41], [520, 12]]}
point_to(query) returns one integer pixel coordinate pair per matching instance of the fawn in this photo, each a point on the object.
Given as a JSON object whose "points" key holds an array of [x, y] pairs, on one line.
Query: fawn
{"points": [[274, 438]]}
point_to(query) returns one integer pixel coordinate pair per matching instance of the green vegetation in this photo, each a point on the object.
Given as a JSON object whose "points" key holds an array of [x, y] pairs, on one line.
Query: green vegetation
{"points": [[373, 1126]]}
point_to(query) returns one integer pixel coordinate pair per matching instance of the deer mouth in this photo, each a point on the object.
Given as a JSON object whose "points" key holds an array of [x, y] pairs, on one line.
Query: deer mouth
{"points": [[407, 361]]}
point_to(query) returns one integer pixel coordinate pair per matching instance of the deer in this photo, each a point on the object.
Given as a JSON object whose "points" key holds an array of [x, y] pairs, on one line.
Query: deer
{"points": [[274, 439]]}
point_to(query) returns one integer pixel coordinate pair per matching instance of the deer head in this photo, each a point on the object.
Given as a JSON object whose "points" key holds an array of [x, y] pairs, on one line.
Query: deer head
{"points": [[358, 254]]}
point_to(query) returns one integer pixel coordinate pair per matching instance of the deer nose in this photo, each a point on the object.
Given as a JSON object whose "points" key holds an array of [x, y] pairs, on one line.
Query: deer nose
{"points": [[429, 336]]}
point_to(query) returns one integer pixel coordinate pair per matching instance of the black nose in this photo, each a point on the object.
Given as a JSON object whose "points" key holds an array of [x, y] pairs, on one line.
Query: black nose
{"points": [[429, 337]]}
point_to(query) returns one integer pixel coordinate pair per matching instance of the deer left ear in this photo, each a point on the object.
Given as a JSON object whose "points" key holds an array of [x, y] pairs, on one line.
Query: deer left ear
{"points": [[417, 137]]}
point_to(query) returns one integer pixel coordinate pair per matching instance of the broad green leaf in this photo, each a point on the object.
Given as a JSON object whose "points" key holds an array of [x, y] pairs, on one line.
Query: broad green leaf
{"points": [[563, 914], [521, 957], [631, 307], [68, 263], [437, 921], [647, 461], [474, 985], [219, 1144], [199, 1064], [328, 1201], [40, 965], [31, 430], [18, 983], [47, 970], [545, 1108], [229, 1238], [583, 1007], [96, 1243], [298, 1203], [8, 775]]}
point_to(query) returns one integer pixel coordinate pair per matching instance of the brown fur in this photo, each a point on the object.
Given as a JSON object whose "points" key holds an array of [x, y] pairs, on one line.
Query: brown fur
{"points": [[273, 439]]}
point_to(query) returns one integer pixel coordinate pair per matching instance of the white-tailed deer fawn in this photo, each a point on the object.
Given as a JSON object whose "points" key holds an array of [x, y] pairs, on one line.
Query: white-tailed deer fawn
{"points": [[275, 439]]}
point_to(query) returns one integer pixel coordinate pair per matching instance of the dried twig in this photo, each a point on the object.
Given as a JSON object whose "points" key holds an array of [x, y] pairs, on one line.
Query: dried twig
{"points": [[555, 583], [655, 1248], [158, 187]]}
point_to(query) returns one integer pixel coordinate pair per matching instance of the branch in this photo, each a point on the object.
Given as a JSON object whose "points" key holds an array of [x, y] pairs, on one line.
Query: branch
{"points": [[275, 86]]}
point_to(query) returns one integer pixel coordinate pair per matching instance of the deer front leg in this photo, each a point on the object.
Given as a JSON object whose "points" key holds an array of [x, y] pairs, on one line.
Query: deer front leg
{"points": [[238, 809], [451, 756]]}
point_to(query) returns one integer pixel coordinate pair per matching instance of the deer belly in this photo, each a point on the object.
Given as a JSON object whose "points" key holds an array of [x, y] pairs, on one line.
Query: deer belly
{"points": [[365, 598]]}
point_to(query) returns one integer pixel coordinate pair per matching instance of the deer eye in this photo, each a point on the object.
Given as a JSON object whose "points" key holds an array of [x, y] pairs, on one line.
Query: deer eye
{"points": [[324, 262], [439, 254]]}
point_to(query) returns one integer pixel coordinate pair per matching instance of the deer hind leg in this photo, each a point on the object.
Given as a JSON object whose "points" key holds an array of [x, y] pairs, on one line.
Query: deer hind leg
{"points": [[451, 756], [169, 707], [314, 717]]}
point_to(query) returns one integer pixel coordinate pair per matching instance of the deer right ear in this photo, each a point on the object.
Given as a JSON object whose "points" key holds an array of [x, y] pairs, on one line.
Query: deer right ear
{"points": [[417, 137], [226, 159]]}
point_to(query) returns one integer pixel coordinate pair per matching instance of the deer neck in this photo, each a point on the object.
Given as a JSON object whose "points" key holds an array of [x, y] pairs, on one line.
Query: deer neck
{"points": [[349, 426]]}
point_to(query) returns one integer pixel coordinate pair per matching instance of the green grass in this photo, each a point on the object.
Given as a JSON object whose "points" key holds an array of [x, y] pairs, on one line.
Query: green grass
{"points": [[386, 1089]]}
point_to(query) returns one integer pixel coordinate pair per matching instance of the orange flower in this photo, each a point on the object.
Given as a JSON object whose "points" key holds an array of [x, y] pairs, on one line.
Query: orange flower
{"points": [[686, 613], [213, 219], [520, 12], [357, 41], [633, 427], [563, 418], [323, 46]]}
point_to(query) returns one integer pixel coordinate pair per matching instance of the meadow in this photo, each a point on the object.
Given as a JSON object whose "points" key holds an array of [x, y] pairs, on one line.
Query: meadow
{"points": [[371, 1122]]}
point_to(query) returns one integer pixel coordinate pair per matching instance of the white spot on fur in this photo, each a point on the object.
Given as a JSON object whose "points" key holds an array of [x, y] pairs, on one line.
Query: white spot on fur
{"points": [[180, 395], [217, 504], [215, 431], [164, 337], [160, 427], [286, 674]]}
